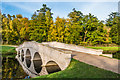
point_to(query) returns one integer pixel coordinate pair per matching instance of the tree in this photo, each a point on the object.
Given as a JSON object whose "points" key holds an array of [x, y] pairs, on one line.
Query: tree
{"points": [[56, 32], [1, 28], [19, 16], [93, 30], [40, 24], [110, 19], [75, 15], [113, 23], [98, 36], [6, 29], [114, 33], [90, 24], [76, 18]]}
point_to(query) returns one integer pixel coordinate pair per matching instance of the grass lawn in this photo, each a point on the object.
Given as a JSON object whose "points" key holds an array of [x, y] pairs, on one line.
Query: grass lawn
{"points": [[106, 48], [7, 51], [110, 50], [78, 69]]}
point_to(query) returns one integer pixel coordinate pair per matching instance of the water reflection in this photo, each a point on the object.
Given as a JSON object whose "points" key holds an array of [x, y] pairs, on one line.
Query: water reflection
{"points": [[12, 69], [0, 67]]}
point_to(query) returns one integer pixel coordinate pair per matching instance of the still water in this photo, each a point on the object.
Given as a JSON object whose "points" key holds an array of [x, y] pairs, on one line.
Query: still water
{"points": [[12, 69]]}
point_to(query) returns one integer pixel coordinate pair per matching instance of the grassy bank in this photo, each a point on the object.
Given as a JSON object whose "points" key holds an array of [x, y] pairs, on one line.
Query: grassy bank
{"points": [[78, 69], [106, 48], [7, 51], [115, 51]]}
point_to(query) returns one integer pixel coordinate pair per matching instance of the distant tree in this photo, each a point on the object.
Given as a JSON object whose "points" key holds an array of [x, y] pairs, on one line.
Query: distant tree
{"points": [[1, 41], [93, 30], [5, 29], [114, 32], [67, 31], [24, 31], [56, 32], [76, 19], [110, 19], [98, 36], [40, 24], [113, 22], [19, 16], [90, 24], [75, 15]]}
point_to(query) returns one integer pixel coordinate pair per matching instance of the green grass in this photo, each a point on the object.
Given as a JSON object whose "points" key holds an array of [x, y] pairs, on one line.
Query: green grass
{"points": [[7, 51], [78, 69], [110, 50], [106, 48]]}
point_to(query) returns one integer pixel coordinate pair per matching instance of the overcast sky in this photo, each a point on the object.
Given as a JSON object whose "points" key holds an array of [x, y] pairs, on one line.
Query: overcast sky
{"points": [[61, 9]]}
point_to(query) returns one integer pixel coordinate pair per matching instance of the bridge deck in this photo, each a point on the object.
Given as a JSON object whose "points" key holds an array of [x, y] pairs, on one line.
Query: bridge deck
{"points": [[98, 61]]}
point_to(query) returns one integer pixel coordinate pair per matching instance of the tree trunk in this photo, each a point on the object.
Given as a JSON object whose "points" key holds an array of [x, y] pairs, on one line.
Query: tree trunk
{"points": [[85, 36], [19, 41], [7, 41]]}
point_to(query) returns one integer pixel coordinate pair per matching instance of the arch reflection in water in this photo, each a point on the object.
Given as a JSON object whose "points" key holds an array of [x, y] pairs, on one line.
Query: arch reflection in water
{"points": [[22, 55], [28, 58], [37, 61], [52, 67], [18, 53]]}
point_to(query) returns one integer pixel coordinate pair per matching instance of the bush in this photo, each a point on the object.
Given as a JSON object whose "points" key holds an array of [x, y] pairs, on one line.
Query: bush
{"points": [[116, 55], [83, 43]]}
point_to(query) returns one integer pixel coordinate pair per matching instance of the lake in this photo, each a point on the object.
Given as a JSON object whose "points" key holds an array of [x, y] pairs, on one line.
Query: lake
{"points": [[12, 69]]}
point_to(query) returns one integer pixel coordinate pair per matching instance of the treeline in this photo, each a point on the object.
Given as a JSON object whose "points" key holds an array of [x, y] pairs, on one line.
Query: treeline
{"points": [[77, 29]]}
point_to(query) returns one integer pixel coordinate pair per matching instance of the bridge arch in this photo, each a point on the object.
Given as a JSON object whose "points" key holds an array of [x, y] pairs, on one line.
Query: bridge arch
{"points": [[52, 67], [28, 58], [22, 55], [19, 54], [37, 62]]}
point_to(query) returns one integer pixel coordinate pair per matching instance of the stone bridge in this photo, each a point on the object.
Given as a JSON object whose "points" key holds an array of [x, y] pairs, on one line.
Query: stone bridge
{"points": [[48, 57]]}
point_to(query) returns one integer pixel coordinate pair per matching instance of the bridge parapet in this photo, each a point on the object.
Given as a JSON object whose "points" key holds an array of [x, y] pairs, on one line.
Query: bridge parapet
{"points": [[73, 47]]}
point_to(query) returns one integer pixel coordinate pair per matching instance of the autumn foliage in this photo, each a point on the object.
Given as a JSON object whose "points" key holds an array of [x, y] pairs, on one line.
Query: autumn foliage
{"points": [[77, 29]]}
